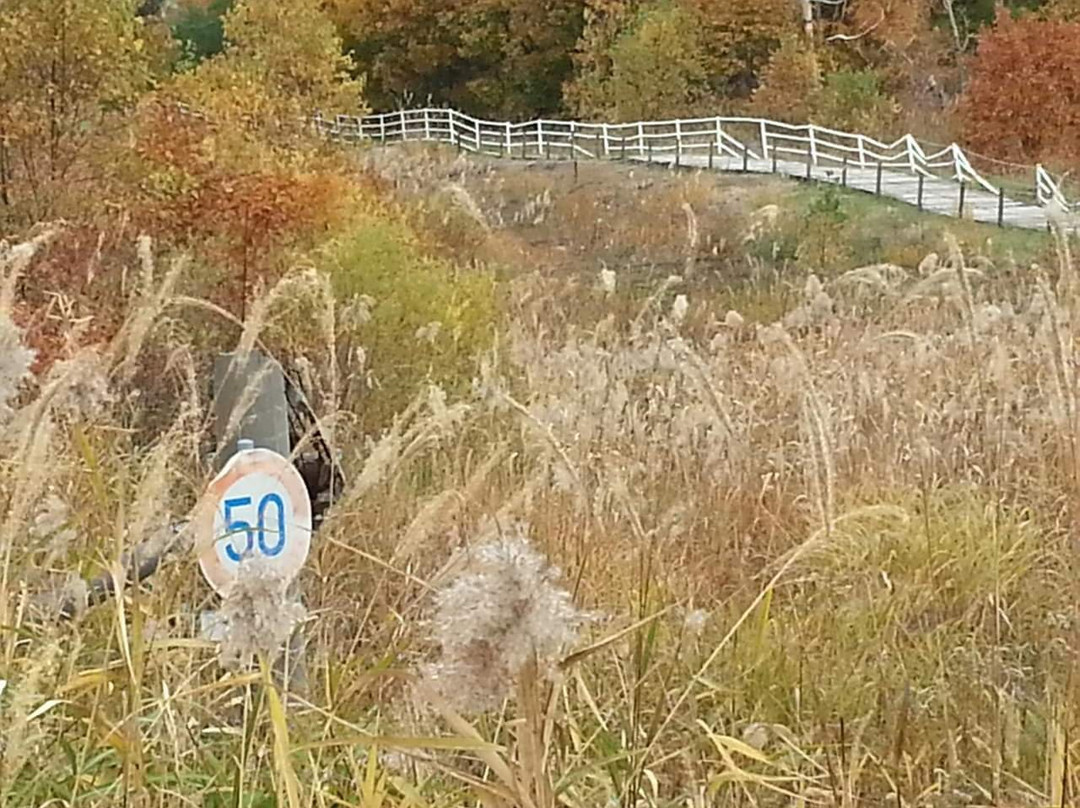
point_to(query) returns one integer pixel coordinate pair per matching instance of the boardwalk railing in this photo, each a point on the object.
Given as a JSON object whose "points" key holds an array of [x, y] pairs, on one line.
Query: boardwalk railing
{"points": [[697, 141]]}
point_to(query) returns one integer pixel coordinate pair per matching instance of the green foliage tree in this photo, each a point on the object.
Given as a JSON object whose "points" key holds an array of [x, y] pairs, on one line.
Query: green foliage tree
{"points": [[655, 68], [283, 60], [604, 22], [789, 83], [493, 57], [200, 29], [855, 101], [67, 69], [822, 245]]}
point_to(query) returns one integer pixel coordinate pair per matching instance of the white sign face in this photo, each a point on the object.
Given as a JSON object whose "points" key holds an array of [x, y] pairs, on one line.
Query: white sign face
{"points": [[258, 506]]}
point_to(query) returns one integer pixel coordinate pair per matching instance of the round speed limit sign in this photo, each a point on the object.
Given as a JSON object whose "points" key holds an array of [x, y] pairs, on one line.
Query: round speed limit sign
{"points": [[258, 506]]}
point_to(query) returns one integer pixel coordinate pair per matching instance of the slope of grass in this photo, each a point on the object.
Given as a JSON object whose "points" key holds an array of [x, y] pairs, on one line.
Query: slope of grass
{"points": [[818, 553]]}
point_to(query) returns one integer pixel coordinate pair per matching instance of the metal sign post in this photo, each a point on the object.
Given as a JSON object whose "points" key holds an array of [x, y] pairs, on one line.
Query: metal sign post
{"points": [[258, 504]]}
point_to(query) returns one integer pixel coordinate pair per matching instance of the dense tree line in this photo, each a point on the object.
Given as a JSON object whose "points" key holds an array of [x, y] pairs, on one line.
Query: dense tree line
{"points": [[1001, 76]]}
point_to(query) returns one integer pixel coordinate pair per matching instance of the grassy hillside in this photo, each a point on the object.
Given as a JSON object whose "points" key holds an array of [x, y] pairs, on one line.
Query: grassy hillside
{"points": [[810, 492]]}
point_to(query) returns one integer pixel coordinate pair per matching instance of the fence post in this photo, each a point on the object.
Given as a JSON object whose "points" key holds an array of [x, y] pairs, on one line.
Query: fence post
{"points": [[813, 144], [678, 147], [774, 158], [764, 140], [604, 134], [745, 157], [650, 151], [540, 138], [641, 140], [509, 140], [809, 166], [843, 173], [877, 182], [622, 147], [919, 202], [963, 189], [427, 125], [719, 135], [1001, 207], [862, 151], [712, 153], [382, 129], [573, 142]]}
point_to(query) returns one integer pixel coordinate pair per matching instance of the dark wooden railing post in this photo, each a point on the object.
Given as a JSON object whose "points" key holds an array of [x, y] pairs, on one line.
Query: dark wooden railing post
{"points": [[745, 157], [963, 190], [922, 181], [1001, 207], [877, 182]]}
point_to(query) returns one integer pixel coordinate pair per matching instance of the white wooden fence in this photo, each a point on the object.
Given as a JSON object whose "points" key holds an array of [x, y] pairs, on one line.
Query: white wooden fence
{"points": [[697, 141]]}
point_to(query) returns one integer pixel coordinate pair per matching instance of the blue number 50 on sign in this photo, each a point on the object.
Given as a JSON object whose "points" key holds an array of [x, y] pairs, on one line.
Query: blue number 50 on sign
{"points": [[256, 507], [234, 525]]}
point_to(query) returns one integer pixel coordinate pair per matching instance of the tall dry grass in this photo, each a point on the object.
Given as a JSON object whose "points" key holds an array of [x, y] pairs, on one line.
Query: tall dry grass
{"points": [[825, 561]]}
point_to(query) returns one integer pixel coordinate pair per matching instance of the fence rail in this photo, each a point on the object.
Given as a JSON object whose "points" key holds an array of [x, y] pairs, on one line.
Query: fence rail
{"points": [[723, 142]]}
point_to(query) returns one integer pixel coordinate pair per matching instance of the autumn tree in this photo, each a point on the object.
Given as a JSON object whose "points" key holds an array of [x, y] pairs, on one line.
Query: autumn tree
{"points": [[740, 37], [789, 83], [1067, 10], [283, 60], [67, 69], [703, 52], [657, 66], [1022, 101], [654, 67], [856, 101], [604, 22], [239, 180], [489, 57]]}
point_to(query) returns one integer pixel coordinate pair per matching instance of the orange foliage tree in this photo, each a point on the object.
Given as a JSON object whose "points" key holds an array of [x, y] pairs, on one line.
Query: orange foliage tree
{"points": [[239, 215], [241, 183], [1022, 101]]}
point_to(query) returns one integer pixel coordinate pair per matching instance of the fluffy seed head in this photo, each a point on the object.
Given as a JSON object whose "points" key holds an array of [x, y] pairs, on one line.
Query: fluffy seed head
{"points": [[258, 614], [503, 610]]}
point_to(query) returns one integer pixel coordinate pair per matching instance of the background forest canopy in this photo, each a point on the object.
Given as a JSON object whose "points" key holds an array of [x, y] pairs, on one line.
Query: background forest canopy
{"points": [[880, 66], [81, 80]]}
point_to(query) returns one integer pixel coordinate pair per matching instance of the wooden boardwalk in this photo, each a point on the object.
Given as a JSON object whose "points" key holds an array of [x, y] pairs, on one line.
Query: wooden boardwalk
{"points": [[938, 195], [944, 182]]}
